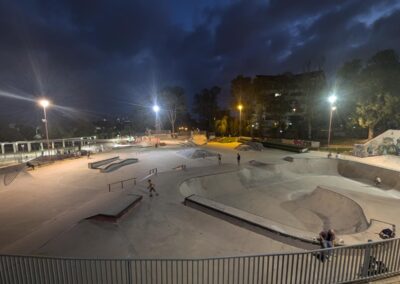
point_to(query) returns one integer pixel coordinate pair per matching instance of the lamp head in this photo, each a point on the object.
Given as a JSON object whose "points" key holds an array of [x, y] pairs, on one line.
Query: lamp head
{"points": [[156, 108], [240, 107], [44, 103], [332, 99]]}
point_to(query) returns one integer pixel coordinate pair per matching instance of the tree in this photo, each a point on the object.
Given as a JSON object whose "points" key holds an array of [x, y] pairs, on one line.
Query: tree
{"points": [[348, 86], [374, 109], [206, 106], [243, 93], [221, 125], [379, 91], [173, 102]]}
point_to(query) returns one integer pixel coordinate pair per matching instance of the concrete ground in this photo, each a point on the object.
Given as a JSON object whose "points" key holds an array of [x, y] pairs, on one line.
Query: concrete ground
{"points": [[43, 211]]}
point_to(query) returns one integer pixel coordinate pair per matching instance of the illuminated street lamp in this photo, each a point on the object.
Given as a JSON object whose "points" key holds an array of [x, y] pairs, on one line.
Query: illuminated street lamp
{"points": [[45, 103], [156, 109], [332, 99], [240, 107]]}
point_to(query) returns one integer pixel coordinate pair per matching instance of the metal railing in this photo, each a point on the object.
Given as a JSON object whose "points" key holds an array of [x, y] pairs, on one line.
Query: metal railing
{"points": [[121, 183], [126, 182], [345, 264], [153, 171]]}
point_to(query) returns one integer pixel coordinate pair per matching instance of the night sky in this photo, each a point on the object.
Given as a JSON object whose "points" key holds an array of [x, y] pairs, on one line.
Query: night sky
{"points": [[103, 57]]}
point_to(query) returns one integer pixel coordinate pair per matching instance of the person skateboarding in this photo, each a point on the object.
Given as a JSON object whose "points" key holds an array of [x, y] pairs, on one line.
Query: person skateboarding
{"points": [[151, 188], [238, 159], [378, 181], [219, 159]]}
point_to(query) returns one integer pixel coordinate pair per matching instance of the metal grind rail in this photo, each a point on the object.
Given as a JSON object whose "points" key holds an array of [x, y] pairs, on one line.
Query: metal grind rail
{"points": [[345, 264], [123, 183]]}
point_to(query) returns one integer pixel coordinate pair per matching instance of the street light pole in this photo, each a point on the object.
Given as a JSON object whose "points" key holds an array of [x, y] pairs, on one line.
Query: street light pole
{"points": [[332, 99], [45, 103], [156, 109], [240, 119]]}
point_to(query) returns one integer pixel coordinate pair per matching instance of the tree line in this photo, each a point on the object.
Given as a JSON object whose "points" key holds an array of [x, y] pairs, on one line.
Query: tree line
{"points": [[368, 98]]}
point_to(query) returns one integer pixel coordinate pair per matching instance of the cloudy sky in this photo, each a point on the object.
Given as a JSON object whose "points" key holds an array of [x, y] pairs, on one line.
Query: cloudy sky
{"points": [[106, 56]]}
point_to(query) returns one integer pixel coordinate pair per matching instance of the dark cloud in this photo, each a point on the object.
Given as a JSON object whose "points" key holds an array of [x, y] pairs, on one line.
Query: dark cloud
{"points": [[102, 55]]}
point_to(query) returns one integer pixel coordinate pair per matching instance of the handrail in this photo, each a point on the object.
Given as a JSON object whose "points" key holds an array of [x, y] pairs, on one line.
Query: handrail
{"points": [[361, 262], [121, 182], [153, 171]]}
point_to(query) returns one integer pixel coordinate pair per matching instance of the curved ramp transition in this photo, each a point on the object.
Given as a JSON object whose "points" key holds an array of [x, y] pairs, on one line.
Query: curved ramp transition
{"points": [[330, 209]]}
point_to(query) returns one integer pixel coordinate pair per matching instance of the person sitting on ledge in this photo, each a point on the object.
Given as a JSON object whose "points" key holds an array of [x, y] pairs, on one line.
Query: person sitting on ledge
{"points": [[330, 155], [30, 165]]}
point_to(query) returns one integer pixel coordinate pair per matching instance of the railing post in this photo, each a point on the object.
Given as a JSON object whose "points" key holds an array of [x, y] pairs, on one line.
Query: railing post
{"points": [[367, 260], [122, 184]]}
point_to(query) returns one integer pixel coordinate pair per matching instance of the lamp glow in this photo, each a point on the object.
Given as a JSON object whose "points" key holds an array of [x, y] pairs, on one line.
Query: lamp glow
{"points": [[44, 103], [156, 108], [332, 99]]}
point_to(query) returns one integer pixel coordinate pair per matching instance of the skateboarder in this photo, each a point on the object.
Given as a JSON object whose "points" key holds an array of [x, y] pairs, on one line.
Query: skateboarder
{"points": [[151, 188], [219, 159], [378, 181], [238, 159]]}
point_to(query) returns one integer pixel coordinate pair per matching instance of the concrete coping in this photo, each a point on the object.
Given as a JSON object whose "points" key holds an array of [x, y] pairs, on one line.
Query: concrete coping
{"points": [[252, 219], [264, 223]]}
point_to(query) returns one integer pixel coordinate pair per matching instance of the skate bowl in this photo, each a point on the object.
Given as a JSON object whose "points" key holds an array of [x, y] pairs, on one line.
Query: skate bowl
{"points": [[305, 195], [328, 209]]}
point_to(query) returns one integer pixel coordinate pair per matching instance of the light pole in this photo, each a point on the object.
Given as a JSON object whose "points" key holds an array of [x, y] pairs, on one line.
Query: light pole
{"points": [[156, 109], [332, 99], [45, 103], [240, 107]]}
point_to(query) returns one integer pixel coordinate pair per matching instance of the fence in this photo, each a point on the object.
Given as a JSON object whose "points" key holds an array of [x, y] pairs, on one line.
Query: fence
{"points": [[346, 264]]}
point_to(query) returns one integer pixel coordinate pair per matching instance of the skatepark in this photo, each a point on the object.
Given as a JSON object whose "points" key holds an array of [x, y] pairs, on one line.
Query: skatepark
{"points": [[67, 209]]}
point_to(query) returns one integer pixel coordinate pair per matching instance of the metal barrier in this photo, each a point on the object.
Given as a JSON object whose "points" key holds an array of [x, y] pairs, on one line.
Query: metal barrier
{"points": [[121, 182], [345, 264], [153, 171]]}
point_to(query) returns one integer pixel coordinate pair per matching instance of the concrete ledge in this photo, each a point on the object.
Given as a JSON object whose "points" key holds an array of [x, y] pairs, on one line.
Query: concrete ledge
{"points": [[286, 147], [253, 222], [117, 165], [96, 165], [114, 213]]}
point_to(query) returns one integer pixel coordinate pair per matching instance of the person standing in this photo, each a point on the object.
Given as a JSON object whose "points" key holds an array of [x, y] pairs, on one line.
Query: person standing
{"points": [[151, 188], [238, 159], [219, 159], [330, 238], [324, 244]]}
